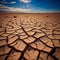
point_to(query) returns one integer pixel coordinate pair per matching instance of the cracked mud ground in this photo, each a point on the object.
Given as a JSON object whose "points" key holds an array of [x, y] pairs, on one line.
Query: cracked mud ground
{"points": [[29, 37]]}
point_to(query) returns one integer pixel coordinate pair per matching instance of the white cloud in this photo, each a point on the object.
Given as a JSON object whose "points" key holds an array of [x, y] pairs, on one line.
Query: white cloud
{"points": [[27, 5], [2, 6], [12, 2], [18, 9], [12, 9], [25, 1], [5, 2]]}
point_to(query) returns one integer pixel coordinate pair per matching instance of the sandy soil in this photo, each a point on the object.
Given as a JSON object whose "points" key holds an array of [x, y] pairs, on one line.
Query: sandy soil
{"points": [[29, 36]]}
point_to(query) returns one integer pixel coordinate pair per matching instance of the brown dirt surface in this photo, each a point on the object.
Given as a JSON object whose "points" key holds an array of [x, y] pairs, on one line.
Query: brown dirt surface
{"points": [[29, 36]]}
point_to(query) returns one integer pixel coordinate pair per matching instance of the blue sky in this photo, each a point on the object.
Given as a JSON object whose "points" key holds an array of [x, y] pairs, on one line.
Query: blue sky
{"points": [[30, 6]]}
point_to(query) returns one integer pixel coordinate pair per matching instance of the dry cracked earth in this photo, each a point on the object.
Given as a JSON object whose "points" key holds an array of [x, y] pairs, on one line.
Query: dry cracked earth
{"points": [[29, 36]]}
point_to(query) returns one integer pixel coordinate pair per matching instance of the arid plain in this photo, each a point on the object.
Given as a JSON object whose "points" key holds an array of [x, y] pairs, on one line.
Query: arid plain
{"points": [[29, 36]]}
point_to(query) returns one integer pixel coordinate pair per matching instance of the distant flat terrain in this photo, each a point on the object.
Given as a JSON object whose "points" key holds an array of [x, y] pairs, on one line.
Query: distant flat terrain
{"points": [[29, 36]]}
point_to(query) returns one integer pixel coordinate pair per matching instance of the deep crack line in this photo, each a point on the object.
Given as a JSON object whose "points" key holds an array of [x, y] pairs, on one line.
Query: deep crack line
{"points": [[22, 55]]}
